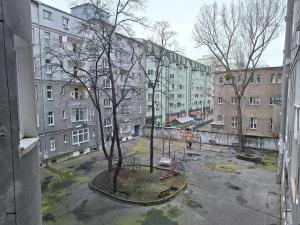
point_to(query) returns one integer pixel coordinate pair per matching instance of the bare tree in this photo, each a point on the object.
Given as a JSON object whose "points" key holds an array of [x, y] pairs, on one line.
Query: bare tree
{"points": [[237, 35], [102, 64], [157, 50]]}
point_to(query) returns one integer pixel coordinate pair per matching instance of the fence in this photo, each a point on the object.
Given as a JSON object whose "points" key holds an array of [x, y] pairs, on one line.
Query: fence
{"points": [[207, 137]]}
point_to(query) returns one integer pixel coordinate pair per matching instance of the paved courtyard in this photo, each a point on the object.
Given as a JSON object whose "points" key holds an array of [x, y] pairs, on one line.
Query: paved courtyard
{"points": [[222, 190]]}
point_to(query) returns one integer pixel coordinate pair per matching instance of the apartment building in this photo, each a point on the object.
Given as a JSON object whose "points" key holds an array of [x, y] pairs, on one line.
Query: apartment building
{"points": [[66, 118], [260, 104], [289, 144], [184, 88]]}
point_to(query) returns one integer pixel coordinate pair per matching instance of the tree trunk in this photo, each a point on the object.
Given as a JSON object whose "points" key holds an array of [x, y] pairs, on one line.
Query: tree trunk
{"points": [[240, 124], [152, 132], [110, 164]]}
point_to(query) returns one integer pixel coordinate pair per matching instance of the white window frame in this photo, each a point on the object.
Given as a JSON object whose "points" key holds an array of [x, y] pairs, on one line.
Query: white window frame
{"points": [[65, 138], [52, 144], [272, 79], [82, 114], [47, 37], [234, 100], [254, 100], [256, 79], [218, 118], [279, 80], [47, 14], [107, 122], [64, 115], [80, 136], [106, 83], [234, 122], [49, 91], [51, 119], [253, 123], [66, 22], [220, 100], [107, 103]]}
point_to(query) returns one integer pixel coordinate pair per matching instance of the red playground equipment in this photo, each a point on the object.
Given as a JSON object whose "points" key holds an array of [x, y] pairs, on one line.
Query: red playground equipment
{"points": [[170, 172]]}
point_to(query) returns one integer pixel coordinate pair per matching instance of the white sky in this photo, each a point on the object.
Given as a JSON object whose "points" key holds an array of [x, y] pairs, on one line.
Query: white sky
{"points": [[182, 14]]}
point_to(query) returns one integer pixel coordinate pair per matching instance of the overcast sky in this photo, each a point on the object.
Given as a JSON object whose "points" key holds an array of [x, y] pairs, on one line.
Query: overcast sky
{"points": [[182, 14]]}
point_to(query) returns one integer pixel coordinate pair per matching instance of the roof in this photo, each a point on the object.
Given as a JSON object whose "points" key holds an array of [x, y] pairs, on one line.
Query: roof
{"points": [[257, 69], [184, 119]]}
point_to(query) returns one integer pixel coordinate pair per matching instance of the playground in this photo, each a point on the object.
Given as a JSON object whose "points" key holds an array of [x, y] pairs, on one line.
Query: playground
{"points": [[221, 189]]}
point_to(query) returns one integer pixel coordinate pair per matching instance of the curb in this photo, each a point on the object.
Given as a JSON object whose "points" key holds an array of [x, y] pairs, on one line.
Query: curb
{"points": [[144, 203]]}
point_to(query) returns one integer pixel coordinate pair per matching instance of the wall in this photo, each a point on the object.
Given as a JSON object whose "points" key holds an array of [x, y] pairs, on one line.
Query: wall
{"points": [[20, 194], [262, 143]]}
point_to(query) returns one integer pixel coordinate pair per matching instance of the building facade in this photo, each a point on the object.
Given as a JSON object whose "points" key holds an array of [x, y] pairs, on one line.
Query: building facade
{"points": [[289, 144], [260, 104], [67, 121], [184, 89], [20, 185]]}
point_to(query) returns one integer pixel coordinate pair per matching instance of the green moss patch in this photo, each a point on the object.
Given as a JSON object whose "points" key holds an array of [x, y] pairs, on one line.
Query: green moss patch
{"points": [[269, 162], [224, 167], [141, 185], [138, 148], [55, 187]]}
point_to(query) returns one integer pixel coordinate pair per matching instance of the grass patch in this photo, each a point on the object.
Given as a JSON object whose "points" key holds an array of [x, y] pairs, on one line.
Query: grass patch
{"points": [[57, 187], [269, 162], [224, 167], [140, 185], [138, 148]]}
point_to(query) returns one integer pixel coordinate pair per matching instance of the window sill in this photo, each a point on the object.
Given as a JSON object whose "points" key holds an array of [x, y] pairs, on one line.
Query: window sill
{"points": [[26, 145]]}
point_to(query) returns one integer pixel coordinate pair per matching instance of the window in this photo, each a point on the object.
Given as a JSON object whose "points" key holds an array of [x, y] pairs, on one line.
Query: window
{"points": [[150, 72], [47, 15], [48, 66], [179, 96], [271, 123], [233, 100], [171, 96], [64, 115], [253, 123], [104, 63], [63, 90], [221, 81], [220, 118], [172, 86], [273, 100], [50, 118], [106, 83], [80, 136], [36, 92], [49, 92], [107, 103], [220, 100], [234, 122], [76, 93], [149, 84], [254, 100], [272, 79], [149, 96], [181, 87], [65, 22], [107, 122], [65, 138], [79, 114], [279, 79], [258, 79], [60, 39], [171, 76], [52, 144], [252, 80], [47, 38], [126, 110]]}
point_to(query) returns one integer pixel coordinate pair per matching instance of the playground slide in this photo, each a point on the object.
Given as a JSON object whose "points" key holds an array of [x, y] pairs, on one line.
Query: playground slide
{"points": [[169, 173]]}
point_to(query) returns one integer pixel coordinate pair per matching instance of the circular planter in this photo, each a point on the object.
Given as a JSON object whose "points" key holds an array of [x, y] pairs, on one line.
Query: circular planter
{"points": [[159, 200]]}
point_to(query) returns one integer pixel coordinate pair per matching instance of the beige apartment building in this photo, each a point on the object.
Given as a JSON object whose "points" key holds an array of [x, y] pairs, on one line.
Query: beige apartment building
{"points": [[261, 103]]}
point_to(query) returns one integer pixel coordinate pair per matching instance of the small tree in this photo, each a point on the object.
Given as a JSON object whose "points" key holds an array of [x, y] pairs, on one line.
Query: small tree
{"points": [[101, 64], [157, 50], [237, 35]]}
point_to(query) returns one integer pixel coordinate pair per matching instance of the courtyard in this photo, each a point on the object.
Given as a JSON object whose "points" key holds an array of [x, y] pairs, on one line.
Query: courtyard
{"points": [[221, 190]]}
